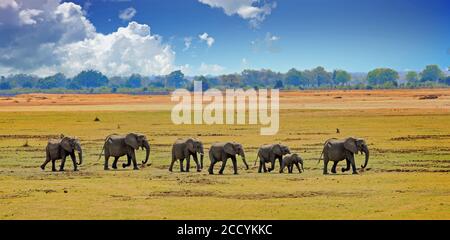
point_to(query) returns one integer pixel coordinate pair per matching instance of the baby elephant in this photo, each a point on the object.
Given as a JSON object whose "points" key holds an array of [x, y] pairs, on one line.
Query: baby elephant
{"points": [[290, 160], [61, 148]]}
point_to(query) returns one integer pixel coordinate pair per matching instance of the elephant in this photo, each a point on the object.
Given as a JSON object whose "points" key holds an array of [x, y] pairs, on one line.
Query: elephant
{"points": [[121, 145], [269, 153], [222, 151], [337, 150], [184, 149], [290, 160], [61, 148]]}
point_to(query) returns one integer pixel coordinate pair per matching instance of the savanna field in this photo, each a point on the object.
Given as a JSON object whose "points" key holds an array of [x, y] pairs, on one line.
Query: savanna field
{"points": [[407, 131]]}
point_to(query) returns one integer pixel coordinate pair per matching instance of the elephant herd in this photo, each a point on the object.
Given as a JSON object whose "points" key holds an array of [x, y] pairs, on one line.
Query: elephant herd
{"points": [[183, 149]]}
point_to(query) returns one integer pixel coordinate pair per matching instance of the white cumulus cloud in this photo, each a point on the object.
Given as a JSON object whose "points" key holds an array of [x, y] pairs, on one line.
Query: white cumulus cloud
{"points": [[127, 14], [48, 36], [253, 10], [206, 38], [131, 49]]}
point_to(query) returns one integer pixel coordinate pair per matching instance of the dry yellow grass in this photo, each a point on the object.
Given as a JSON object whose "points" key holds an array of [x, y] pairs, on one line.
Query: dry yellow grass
{"points": [[408, 175]]}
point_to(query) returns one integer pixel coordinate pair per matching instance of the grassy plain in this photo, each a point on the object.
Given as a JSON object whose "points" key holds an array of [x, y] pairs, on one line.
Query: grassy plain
{"points": [[407, 176]]}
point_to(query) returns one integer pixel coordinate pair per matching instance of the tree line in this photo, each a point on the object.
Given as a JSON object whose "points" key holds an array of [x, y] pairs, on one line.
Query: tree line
{"points": [[95, 81]]}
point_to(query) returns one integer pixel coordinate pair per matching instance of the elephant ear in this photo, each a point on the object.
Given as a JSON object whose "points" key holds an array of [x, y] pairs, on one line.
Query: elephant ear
{"points": [[350, 144], [276, 148], [131, 140], [190, 145], [229, 148], [66, 144]]}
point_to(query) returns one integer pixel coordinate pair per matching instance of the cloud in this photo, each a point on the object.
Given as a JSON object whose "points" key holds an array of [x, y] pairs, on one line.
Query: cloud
{"points": [[212, 69], [46, 36], [127, 14], [206, 38], [187, 43], [252, 10], [267, 44], [129, 50]]}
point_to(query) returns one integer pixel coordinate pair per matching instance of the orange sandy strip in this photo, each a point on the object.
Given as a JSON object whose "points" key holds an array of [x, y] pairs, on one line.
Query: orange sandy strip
{"points": [[325, 99]]}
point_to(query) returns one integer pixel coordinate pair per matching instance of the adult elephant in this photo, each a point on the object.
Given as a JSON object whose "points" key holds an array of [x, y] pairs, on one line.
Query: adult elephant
{"points": [[120, 145], [61, 148], [184, 148], [221, 152], [337, 150], [270, 153]]}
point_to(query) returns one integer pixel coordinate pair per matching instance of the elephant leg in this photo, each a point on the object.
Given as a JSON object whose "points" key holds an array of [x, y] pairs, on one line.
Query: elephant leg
{"points": [[114, 165], [74, 161], [173, 161], [188, 162], [348, 166], [106, 167], [325, 164], [213, 161], [196, 162], [352, 161], [260, 166], [133, 158], [125, 165], [181, 165], [53, 165], [263, 163], [233, 160], [280, 159], [63, 162], [47, 160], [298, 167], [272, 166], [283, 165], [224, 162], [291, 166], [333, 169]]}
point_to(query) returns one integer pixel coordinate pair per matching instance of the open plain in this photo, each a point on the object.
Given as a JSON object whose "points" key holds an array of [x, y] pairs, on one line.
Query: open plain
{"points": [[408, 176]]}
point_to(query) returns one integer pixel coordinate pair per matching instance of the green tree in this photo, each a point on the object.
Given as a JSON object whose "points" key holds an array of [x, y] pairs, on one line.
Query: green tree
{"points": [[279, 84], [56, 81], [341, 77], [294, 77], [321, 77], [412, 77], [381, 76], [431, 73], [134, 81], [88, 79], [175, 79]]}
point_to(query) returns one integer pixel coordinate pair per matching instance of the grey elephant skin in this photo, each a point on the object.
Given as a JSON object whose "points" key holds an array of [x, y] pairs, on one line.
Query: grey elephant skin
{"points": [[269, 154], [221, 152], [337, 150], [61, 148], [125, 145], [185, 148], [290, 160]]}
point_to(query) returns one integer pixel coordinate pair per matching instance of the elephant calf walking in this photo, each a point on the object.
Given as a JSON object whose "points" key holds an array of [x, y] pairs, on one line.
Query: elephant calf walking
{"points": [[61, 148], [290, 160], [184, 149], [337, 150], [220, 152], [120, 145]]}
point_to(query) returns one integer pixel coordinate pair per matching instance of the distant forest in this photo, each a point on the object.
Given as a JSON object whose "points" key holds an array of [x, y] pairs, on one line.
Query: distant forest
{"points": [[92, 81]]}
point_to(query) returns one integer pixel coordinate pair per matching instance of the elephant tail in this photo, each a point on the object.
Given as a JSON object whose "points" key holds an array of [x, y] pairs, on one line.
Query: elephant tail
{"points": [[257, 156], [320, 158], [101, 153]]}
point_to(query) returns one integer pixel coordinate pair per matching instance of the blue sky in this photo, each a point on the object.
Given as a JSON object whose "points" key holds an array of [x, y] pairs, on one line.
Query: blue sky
{"points": [[338, 34]]}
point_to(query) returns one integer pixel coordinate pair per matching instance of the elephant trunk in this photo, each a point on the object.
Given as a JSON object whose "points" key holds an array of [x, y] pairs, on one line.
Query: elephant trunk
{"points": [[243, 159], [366, 153], [147, 151], [80, 156], [201, 160]]}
